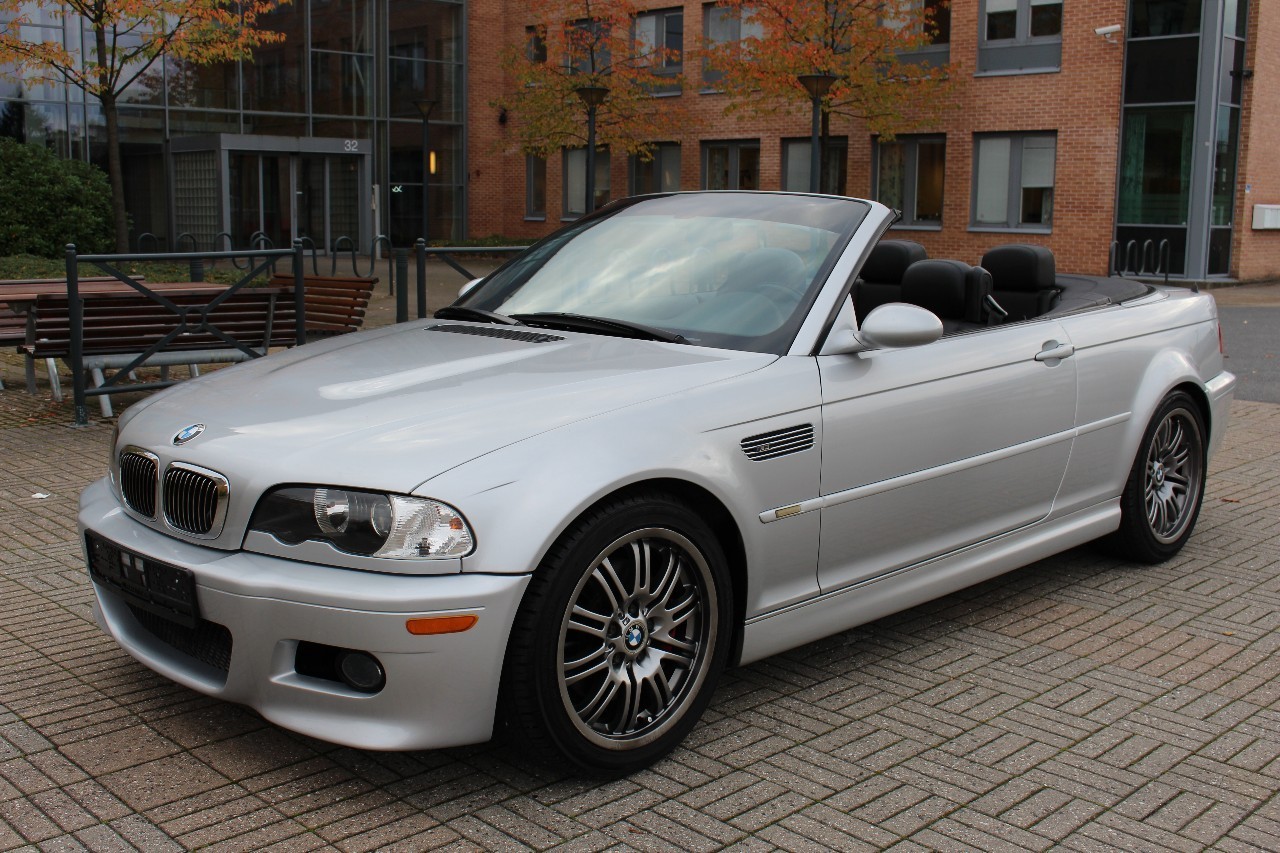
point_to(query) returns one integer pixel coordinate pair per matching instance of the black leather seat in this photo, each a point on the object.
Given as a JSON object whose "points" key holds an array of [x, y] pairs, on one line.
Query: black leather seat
{"points": [[953, 290], [880, 280], [1023, 280]]}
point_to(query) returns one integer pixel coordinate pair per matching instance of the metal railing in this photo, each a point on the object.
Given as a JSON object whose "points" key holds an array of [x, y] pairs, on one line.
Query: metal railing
{"points": [[342, 251], [188, 319]]}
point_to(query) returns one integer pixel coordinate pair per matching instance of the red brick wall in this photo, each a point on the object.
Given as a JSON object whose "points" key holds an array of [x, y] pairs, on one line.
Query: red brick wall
{"points": [[1256, 254], [1081, 102]]}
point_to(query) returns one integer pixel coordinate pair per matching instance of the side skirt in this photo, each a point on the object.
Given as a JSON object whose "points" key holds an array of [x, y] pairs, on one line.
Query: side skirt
{"points": [[842, 609]]}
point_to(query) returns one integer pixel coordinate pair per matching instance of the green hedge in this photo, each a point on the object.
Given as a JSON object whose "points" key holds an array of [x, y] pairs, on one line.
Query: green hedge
{"points": [[49, 202]]}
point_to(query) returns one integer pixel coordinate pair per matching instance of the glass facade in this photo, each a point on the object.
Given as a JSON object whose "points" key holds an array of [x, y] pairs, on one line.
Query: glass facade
{"points": [[348, 70], [1179, 137]]}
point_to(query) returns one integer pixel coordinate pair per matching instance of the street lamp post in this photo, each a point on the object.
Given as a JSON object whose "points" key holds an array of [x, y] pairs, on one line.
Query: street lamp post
{"points": [[817, 85], [593, 97], [425, 106]]}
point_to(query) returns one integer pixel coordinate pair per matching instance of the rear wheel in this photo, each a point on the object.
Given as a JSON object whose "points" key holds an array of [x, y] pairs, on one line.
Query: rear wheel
{"points": [[620, 638], [1162, 496]]}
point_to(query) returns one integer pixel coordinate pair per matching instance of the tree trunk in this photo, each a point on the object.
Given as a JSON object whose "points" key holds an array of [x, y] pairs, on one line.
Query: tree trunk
{"points": [[110, 114], [822, 155]]}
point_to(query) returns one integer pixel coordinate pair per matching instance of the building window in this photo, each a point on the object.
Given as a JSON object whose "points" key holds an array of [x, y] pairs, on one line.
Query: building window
{"points": [[909, 175], [731, 165], [797, 158], [575, 181], [535, 45], [721, 25], [535, 187], [1019, 36], [660, 35], [660, 174], [1013, 181]]}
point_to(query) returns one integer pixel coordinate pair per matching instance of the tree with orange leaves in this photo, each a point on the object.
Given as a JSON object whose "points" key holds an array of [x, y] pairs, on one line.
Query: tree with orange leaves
{"points": [[590, 44], [128, 37], [866, 46]]}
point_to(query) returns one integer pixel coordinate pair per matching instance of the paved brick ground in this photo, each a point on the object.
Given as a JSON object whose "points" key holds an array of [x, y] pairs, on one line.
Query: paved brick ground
{"points": [[1078, 703]]}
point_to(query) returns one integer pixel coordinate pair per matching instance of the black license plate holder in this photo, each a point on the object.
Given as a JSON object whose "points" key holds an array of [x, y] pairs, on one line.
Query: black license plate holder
{"points": [[157, 587]]}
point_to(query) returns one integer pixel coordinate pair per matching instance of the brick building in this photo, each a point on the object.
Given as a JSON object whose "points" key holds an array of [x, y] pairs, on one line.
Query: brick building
{"points": [[1075, 124]]}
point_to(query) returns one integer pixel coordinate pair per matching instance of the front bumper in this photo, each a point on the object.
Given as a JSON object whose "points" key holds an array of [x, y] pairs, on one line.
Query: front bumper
{"points": [[1221, 391], [440, 690]]}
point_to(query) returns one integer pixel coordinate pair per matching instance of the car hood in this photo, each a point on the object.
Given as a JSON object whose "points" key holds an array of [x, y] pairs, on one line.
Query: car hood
{"points": [[392, 408]]}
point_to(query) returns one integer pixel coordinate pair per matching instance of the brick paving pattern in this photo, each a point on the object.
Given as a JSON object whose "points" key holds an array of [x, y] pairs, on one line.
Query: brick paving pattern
{"points": [[1080, 703]]}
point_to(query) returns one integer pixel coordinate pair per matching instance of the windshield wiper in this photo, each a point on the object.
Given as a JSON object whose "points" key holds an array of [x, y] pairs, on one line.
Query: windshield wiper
{"points": [[603, 325], [462, 312]]}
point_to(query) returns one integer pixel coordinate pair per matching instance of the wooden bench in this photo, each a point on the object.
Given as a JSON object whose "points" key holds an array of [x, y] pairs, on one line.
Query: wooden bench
{"points": [[335, 304], [120, 327], [13, 324]]}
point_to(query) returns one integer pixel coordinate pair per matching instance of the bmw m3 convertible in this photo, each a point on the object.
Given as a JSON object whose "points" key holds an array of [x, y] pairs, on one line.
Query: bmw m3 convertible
{"points": [[685, 432]]}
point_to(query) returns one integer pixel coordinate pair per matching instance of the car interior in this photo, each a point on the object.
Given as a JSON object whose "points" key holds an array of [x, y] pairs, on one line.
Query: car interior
{"points": [[1012, 283]]}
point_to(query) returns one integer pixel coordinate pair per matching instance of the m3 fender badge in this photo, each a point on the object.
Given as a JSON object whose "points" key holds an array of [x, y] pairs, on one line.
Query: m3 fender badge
{"points": [[187, 433]]}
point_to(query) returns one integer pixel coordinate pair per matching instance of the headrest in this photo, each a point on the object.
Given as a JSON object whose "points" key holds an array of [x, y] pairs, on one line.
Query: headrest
{"points": [[938, 286], [1021, 267], [766, 266], [890, 259]]}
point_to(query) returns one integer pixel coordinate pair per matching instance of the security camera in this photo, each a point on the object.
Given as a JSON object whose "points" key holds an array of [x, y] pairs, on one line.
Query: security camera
{"points": [[1108, 32]]}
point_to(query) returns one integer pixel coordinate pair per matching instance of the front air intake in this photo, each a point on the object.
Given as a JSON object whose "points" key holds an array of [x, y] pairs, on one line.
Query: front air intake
{"points": [[138, 474], [195, 499]]}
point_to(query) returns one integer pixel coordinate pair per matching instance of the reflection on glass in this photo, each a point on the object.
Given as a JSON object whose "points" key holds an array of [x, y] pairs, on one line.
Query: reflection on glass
{"points": [[891, 175], [1046, 18], [1002, 19], [930, 167], [1224, 164], [992, 205], [1164, 17], [1155, 166]]}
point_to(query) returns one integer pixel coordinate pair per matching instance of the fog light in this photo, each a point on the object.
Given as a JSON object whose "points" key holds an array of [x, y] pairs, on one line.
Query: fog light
{"points": [[361, 671]]}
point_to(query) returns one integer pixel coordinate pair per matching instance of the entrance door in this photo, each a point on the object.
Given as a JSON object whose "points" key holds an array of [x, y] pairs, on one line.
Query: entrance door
{"points": [[290, 196]]}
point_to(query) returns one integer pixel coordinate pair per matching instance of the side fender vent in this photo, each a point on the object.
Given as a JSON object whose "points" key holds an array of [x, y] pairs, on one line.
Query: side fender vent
{"points": [[781, 442], [498, 332]]}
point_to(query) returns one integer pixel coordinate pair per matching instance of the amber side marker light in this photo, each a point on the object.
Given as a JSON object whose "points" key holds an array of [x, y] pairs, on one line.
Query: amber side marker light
{"points": [[441, 624]]}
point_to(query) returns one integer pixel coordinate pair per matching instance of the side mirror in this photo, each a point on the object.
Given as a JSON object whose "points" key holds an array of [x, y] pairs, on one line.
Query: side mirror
{"points": [[468, 287], [892, 326]]}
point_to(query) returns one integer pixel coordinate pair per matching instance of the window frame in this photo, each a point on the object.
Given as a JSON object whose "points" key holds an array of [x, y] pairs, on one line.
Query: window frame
{"points": [[604, 168], [659, 149], [711, 78], [532, 173], [1023, 53], [910, 184], [667, 68], [833, 143], [1013, 188], [735, 146]]}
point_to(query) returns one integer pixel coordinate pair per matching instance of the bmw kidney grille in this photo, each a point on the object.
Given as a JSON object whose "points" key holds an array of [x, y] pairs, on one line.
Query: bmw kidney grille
{"points": [[194, 499], [138, 470]]}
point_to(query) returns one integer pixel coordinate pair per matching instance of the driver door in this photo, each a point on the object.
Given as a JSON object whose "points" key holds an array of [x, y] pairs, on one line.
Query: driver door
{"points": [[929, 449]]}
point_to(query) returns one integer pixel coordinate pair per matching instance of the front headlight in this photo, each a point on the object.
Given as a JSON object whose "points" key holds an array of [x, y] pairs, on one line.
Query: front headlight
{"points": [[370, 524]]}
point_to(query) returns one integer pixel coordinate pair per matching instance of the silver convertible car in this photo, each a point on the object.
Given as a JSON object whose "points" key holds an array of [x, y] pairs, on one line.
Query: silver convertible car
{"points": [[685, 432]]}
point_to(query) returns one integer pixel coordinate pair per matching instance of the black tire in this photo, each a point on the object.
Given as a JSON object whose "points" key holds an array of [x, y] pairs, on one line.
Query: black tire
{"points": [[611, 663], [1165, 489]]}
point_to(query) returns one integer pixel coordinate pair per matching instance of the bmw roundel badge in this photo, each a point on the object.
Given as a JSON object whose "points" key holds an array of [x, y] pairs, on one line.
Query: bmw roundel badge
{"points": [[187, 433]]}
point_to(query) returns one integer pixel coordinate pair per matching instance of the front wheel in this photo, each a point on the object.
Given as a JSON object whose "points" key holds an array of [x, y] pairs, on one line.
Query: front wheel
{"points": [[620, 638], [1165, 488]]}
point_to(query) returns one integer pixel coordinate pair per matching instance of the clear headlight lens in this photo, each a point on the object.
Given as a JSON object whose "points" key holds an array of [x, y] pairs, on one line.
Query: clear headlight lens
{"points": [[366, 523]]}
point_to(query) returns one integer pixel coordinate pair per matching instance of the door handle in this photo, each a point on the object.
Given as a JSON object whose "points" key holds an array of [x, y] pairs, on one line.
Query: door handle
{"points": [[1054, 352]]}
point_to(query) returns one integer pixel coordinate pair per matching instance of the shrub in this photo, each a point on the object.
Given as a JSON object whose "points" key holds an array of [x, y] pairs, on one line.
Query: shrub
{"points": [[49, 202]]}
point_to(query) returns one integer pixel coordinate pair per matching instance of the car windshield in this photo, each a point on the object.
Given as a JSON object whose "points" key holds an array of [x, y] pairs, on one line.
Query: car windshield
{"points": [[724, 269]]}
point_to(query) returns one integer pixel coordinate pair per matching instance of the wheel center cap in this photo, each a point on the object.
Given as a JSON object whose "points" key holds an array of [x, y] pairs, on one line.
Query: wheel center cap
{"points": [[634, 636], [1158, 474]]}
